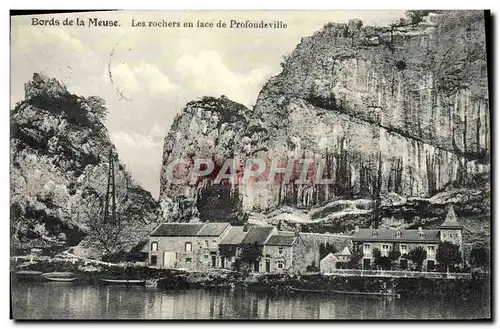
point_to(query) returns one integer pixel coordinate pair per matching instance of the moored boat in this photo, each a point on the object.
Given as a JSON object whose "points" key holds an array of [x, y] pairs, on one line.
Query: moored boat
{"points": [[344, 292], [54, 279], [123, 281], [28, 273]]}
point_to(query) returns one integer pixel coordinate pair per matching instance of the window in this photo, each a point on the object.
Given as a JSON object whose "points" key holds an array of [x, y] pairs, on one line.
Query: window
{"points": [[279, 263], [280, 250], [214, 243], [366, 248], [188, 247], [398, 234], [188, 260], [154, 260], [385, 247], [205, 256], [206, 243], [404, 249], [430, 249], [154, 246]]}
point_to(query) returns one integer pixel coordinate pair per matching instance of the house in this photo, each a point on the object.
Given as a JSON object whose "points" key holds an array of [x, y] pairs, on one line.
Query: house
{"points": [[207, 245], [171, 245], [284, 252], [343, 257], [328, 264], [252, 245], [402, 239], [405, 240], [229, 246]]}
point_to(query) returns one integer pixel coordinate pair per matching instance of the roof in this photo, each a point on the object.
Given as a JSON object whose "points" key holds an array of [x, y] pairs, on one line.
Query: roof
{"points": [[233, 236], [213, 229], [344, 252], [391, 235], [177, 229], [451, 220], [330, 256], [281, 240], [257, 234]]}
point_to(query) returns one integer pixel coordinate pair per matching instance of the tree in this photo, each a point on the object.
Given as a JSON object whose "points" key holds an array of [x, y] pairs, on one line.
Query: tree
{"points": [[381, 261], [448, 254], [356, 257], [250, 252], [325, 249], [394, 255], [479, 257], [417, 255]]}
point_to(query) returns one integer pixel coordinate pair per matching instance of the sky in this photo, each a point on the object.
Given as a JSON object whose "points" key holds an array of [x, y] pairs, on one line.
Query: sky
{"points": [[155, 71]]}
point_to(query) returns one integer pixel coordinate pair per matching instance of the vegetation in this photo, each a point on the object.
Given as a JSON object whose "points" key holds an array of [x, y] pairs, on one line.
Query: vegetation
{"points": [[479, 257], [325, 249], [448, 254], [417, 255]]}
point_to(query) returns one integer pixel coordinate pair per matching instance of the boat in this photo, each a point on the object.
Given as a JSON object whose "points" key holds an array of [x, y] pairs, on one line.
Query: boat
{"points": [[344, 292], [61, 279], [28, 273], [123, 281], [60, 276]]}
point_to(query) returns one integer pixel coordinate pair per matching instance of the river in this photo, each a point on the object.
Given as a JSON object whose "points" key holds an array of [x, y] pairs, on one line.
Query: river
{"points": [[52, 300]]}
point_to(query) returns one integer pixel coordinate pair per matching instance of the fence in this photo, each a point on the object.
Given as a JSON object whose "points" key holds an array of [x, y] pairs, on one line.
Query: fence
{"points": [[399, 274]]}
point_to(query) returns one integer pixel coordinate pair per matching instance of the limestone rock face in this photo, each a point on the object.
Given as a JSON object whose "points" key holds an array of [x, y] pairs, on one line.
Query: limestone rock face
{"points": [[403, 110], [210, 129], [59, 160]]}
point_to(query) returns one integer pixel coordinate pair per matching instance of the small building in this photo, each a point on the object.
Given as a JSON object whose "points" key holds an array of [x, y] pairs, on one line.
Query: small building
{"points": [[256, 237], [207, 245], [229, 246], [171, 245], [328, 264], [284, 252], [343, 257]]}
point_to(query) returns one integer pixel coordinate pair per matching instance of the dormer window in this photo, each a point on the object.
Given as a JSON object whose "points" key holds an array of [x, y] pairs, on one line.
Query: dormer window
{"points": [[374, 233], [422, 234], [398, 234]]}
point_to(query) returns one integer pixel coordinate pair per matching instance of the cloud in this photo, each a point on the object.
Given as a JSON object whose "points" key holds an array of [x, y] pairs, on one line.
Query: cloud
{"points": [[140, 78], [207, 75]]}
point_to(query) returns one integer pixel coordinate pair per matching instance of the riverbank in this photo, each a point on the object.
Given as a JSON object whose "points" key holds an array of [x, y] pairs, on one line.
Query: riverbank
{"points": [[169, 279]]}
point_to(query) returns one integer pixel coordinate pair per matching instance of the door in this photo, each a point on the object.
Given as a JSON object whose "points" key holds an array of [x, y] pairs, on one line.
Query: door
{"points": [[222, 262], [268, 266], [403, 264], [430, 265], [154, 260], [169, 258], [366, 263], [214, 261], [256, 266]]}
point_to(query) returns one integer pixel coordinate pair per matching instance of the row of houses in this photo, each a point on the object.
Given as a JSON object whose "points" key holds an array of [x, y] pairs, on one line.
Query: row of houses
{"points": [[219, 245], [265, 249]]}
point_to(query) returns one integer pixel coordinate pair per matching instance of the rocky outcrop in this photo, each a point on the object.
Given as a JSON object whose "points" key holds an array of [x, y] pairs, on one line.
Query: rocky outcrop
{"points": [[397, 111], [59, 165], [211, 128]]}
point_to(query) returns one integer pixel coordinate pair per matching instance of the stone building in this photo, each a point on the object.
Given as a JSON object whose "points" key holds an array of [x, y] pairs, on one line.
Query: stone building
{"points": [[328, 264], [405, 240], [284, 252], [207, 245], [172, 245]]}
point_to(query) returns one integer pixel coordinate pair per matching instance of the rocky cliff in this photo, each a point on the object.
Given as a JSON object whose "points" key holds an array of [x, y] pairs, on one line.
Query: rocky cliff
{"points": [[59, 166], [399, 111]]}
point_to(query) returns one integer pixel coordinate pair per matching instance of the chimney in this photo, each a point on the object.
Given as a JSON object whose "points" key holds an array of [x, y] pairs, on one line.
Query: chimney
{"points": [[297, 229], [420, 229], [245, 227], [356, 228]]}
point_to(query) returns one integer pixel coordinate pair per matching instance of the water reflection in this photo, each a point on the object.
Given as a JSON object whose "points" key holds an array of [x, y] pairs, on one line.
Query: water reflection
{"points": [[69, 301]]}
